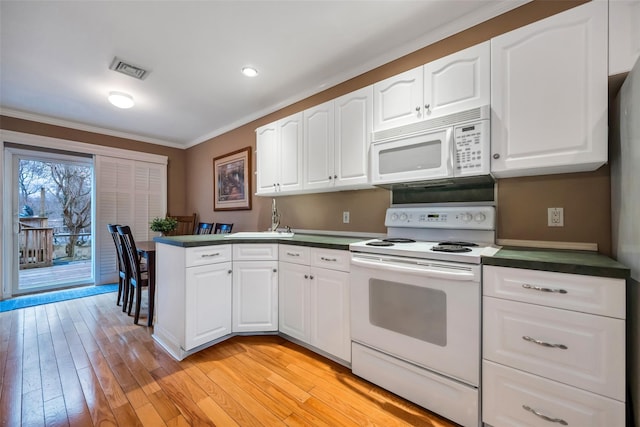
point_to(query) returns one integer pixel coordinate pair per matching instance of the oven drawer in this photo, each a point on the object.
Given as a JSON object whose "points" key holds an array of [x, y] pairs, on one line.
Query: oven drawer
{"points": [[578, 349], [506, 392], [596, 295], [203, 255], [331, 258], [434, 392]]}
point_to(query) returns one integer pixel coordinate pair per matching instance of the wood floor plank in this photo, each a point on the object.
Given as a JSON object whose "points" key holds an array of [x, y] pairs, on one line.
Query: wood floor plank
{"points": [[83, 363]]}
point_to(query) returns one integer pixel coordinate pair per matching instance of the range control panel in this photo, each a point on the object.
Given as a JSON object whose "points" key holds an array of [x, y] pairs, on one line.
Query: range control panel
{"points": [[459, 217]]}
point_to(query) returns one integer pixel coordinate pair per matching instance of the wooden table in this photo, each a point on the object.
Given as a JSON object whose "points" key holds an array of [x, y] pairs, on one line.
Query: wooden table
{"points": [[147, 250]]}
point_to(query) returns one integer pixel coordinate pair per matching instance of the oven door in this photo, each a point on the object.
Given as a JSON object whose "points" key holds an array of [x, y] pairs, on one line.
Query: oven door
{"points": [[413, 158], [422, 311]]}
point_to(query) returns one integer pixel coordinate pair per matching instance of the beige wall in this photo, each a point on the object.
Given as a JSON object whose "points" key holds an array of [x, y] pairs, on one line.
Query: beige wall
{"points": [[522, 201], [176, 198]]}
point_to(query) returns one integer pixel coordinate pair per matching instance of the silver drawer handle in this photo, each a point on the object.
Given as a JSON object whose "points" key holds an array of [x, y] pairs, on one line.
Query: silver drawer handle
{"points": [[292, 254], [545, 344], [541, 289], [328, 259], [209, 255], [545, 417]]}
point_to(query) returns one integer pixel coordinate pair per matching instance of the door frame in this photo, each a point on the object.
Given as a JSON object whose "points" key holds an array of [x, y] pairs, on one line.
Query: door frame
{"points": [[7, 257]]}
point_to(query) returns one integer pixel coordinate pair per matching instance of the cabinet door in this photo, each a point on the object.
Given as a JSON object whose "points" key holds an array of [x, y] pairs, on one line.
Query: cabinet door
{"points": [[549, 94], [268, 156], [290, 154], [293, 284], [458, 82], [208, 303], [398, 100], [330, 320], [255, 296], [318, 146], [354, 124]]}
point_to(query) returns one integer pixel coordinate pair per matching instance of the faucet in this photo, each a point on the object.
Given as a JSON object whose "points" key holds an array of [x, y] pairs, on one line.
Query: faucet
{"points": [[275, 216]]}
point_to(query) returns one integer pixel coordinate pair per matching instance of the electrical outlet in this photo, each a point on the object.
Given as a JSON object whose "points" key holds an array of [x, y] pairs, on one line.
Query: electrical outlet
{"points": [[345, 217], [555, 217]]}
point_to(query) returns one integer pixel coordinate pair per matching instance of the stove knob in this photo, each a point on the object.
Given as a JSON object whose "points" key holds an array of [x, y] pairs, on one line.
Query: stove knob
{"points": [[394, 217], [466, 217], [403, 217], [480, 217]]}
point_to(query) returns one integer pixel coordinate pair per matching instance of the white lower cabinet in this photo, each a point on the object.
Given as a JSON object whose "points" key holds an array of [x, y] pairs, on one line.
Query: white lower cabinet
{"points": [[255, 288], [208, 297], [193, 297], [314, 298], [553, 349]]}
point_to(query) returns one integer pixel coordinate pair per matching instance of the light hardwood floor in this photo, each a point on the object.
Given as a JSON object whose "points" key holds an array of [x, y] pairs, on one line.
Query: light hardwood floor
{"points": [[82, 362]]}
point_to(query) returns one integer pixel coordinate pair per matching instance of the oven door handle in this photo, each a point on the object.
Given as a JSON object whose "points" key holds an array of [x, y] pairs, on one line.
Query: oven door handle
{"points": [[423, 270]]}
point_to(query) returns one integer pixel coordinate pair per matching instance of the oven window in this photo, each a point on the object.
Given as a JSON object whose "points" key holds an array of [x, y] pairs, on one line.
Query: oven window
{"points": [[421, 156], [413, 311]]}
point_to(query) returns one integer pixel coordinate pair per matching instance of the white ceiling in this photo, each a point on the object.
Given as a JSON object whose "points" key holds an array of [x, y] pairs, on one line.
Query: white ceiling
{"points": [[55, 57]]}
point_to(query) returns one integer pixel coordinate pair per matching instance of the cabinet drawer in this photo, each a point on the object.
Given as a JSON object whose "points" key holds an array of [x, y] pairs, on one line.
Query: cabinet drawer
{"points": [[255, 252], [596, 295], [295, 254], [331, 258], [202, 255], [578, 349], [507, 392]]}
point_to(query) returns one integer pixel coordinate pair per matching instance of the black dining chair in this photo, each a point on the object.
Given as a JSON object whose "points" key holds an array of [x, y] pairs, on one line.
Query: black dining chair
{"points": [[123, 267], [221, 228], [204, 228], [137, 279]]}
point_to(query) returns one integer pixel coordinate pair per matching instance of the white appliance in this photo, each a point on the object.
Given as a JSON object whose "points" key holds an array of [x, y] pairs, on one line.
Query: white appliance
{"points": [[441, 149], [415, 306]]}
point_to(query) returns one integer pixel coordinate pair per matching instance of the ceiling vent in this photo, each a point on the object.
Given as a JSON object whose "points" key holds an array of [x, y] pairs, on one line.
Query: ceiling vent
{"points": [[130, 70]]}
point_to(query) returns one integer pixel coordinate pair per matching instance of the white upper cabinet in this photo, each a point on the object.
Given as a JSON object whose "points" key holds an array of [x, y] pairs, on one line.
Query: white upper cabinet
{"points": [[337, 135], [624, 35], [354, 124], [397, 100], [549, 94], [279, 154], [457, 82], [452, 84], [319, 146]]}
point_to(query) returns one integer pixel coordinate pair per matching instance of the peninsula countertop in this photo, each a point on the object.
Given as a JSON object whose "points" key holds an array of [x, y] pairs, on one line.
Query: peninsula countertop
{"points": [[299, 239]]}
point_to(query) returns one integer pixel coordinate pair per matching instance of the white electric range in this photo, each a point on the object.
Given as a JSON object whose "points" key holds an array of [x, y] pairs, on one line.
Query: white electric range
{"points": [[415, 306]]}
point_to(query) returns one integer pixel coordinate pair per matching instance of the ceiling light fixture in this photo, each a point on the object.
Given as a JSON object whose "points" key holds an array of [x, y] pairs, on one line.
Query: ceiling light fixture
{"points": [[249, 71], [121, 99]]}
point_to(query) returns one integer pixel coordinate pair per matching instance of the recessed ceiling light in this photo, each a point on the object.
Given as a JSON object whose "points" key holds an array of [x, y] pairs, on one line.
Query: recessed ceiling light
{"points": [[249, 71], [121, 99]]}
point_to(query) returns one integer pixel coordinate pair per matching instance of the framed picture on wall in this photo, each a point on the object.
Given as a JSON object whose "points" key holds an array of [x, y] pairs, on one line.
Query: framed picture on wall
{"points": [[232, 181]]}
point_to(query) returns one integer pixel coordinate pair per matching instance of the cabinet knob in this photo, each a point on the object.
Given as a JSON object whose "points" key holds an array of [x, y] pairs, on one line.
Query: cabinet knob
{"points": [[311, 277], [230, 271], [418, 108], [330, 177], [306, 276], [427, 107], [496, 156], [275, 270], [335, 176]]}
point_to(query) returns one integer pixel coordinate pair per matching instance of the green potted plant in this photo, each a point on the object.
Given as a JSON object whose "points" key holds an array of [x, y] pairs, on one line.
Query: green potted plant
{"points": [[163, 225]]}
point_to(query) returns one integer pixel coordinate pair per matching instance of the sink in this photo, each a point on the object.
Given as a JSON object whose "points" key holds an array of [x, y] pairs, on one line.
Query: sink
{"points": [[259, 235]]}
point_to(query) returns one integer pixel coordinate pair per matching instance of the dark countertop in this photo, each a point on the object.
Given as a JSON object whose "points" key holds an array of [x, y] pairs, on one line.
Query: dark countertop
{"points": [[561, 261], [315, 240]]}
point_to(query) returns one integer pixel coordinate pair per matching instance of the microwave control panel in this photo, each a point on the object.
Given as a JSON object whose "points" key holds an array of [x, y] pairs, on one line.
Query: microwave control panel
{"points": [[472, 149]]}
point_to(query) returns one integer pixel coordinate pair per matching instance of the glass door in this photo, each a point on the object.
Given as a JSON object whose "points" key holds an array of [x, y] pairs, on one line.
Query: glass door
{"points": [[53, 216]]}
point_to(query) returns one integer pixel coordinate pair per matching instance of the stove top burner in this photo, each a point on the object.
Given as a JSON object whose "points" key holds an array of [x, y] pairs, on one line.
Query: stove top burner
{"points": [[379, 243], [447, 243], [398, 240], [450, 248]]}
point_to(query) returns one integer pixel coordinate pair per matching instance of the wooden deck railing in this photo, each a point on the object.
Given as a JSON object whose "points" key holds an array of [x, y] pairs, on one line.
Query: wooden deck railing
{"points": [[36, 246]]}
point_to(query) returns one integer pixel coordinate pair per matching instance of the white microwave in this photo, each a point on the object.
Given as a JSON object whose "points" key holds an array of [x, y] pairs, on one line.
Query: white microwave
{"points": [[454, 146]]}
